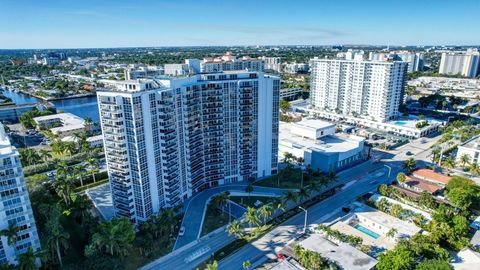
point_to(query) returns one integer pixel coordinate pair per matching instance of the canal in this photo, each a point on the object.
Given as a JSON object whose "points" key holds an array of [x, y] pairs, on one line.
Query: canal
{"points": [[83, 107]]}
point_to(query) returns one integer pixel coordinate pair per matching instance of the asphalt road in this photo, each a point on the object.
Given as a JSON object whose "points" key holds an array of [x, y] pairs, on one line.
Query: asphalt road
{"points": [[196, 206]]}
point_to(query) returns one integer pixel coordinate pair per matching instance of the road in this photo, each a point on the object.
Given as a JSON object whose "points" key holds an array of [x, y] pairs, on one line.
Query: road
{"points": [[191, 255], [196, 207]]}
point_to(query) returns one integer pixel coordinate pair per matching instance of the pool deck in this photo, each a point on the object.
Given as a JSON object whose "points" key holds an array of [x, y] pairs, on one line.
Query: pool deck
{"points": [[381, 241]]}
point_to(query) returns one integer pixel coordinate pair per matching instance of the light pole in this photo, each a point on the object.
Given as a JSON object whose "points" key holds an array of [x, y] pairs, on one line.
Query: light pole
{"points": [[305, 223], [389, 169]]}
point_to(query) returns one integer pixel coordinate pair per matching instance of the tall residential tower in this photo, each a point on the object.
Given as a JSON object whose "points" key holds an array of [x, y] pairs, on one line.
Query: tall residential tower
{"points": [[15, 208], [372, 89], [166, 140]]}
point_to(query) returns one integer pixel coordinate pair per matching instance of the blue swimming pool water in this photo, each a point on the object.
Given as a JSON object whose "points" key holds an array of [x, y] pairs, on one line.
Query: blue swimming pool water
{"points": [[367, 231], [400, 123]]}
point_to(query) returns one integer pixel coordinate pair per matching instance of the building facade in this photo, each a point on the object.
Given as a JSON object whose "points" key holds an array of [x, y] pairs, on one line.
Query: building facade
{"points": [[229, 62], [414, 60], [370, 89], [15, 208], [166, 140], [470, 148], [273, 63], [460, 63]]}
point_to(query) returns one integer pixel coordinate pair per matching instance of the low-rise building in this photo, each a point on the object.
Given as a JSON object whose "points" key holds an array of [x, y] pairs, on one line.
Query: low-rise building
{"points": [[11, 113], [230, 62], [61, 124], [471, 148], [176, 70], [93, 141], [291, 93], [315, 141]]}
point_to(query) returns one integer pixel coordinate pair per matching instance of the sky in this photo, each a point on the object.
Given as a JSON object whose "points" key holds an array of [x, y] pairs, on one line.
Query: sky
{"points": [[144, 23]]}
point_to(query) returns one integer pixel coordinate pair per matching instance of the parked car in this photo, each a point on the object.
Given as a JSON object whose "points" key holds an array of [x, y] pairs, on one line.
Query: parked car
{"points": [[182, 231]]}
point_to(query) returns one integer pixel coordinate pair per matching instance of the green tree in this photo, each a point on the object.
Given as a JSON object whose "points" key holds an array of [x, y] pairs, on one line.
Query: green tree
{"points": [[433, 265], [409, 165], [460, 225], [27, 260], [212, 266], [64, 186], [235, 228], [284, 105], [93, 167], [449, 163], [426, 199], [401, 177], [114, 237], [290, 196], [221, 199], [44, 154], [56, 238], [400, 258], [464, 160], [246, 265], [392, 232], [303, 194], [249, 189], [265, 212], [11, 233], [251, 217]]}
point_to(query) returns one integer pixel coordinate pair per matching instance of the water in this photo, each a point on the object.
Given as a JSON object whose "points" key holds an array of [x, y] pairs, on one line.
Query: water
{"points": [[83, 107], [367, 231], [400, 123]]}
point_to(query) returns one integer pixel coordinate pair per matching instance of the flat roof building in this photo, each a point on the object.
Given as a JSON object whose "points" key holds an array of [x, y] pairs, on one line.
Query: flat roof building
{"points": [[61, 124], [471, 148], [315, 141]]}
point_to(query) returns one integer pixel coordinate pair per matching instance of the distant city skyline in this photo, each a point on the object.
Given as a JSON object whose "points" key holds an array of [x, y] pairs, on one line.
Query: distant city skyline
{"points": [[147, 23]]}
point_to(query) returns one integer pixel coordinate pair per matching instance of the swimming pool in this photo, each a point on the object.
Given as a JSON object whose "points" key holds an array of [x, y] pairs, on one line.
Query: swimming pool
{"points": [[367, 231], [400, 123]]}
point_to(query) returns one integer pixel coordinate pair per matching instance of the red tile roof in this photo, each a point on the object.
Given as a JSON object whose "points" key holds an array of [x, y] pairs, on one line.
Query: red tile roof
{"points": [[430, 175], [422, 185]]}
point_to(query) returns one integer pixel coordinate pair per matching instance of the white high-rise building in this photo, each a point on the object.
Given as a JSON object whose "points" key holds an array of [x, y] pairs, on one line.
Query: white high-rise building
{"points": [[414, 60], [463, 63], [371, 89], [273, 63], [15, 205], [166, 140]]}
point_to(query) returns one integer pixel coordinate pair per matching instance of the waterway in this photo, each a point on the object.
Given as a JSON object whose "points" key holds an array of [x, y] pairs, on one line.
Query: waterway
{"points": [[83, 107]]}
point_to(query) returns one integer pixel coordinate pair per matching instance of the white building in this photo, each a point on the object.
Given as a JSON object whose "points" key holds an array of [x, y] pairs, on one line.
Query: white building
{"points": [[176, 70], [293, 68], [463, 63], [15, 205], [315, 141], [471, 148], [230, 62], [273, 63], [134, 72], [414, 60], [166, 140], [290, 93], [350, 87], [93, 141], [61, 124]]}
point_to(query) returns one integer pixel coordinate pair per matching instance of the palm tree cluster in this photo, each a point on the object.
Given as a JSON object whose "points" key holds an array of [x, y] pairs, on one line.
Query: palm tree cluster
{"points": [[312, 260], [161, 225], [331, 233], [114, 238]]}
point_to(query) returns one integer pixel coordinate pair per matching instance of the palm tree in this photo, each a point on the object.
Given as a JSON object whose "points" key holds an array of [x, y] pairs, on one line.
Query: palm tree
{"points": [[235, 228], [251, 217], [303, 194], [474, 168], [332, 177], [11, 233], [249, 189], [81, 140], [93, 166], [409, 164], [288, 157], [246, 265], [63, 169], [28, 156], [56, 238], [221, 199], [265, 212], [27, 260], [449, 163], [392, 232], [290, 196], [212, 266], [81, 206], [45, 155], [114, 237], [64, 186], [79, 172], [277, 203], [464, 160], [88, 124], [401, 177], [314, 186]]}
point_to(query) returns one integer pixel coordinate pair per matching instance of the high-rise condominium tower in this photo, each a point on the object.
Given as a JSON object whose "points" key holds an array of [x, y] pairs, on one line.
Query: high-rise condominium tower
{"points": [[15, 208], [165, 140], [371, 89], [460, 63]]}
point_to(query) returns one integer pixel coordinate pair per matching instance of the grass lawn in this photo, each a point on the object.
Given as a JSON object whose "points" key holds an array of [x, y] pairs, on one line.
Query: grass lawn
{"points": [[214, 219], [246, 201]]}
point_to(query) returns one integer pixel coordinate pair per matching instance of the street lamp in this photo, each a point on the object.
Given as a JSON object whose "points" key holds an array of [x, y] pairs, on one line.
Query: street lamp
{"points": [[389, 169], [305, 223]]}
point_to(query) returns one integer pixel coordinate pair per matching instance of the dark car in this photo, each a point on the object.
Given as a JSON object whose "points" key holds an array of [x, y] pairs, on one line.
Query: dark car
{"points": [[409, 153]]}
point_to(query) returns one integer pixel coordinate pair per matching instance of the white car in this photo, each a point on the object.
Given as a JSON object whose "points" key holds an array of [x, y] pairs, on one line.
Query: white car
{"points": [[182, 231]]}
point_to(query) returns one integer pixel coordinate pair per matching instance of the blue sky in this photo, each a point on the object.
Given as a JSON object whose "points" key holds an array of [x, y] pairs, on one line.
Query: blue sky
{"points": [[120, 23]]}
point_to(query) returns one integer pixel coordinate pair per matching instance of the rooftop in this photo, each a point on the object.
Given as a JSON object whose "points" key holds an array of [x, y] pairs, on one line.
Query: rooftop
{"points": [[327, 144], [343, 254], [66, 118], [385, 220], [289, 264], [314, 124], [421, 184], [473, 143], [430, 175]]}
